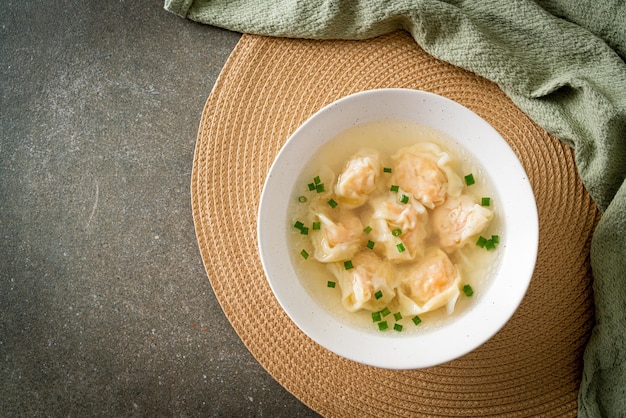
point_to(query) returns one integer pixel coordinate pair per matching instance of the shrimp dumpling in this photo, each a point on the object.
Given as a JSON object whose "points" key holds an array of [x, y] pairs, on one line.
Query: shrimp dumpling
{"points": [[359, 284], [395, 223], [458, 220], [336, 239], [358, 178], [425, 171], [429, 284]]}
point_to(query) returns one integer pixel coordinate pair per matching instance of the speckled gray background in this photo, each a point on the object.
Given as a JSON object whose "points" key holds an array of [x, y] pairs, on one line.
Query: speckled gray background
{"points": [[105, 307]]}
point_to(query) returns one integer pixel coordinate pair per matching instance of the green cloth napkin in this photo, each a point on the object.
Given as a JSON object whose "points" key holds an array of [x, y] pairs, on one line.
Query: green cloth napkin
{"points": [[561, 62]]}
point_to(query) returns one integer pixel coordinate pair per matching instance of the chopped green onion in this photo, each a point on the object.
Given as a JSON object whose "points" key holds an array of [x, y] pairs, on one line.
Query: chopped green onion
{"points": [[301, 199], [469, 179], [317, 226], [298, 225], [385, 312], [367, 229], [383, 325], [311, 186], [397, 327], [370, 244], [397, 316], [467, 289], [332, 203], [304, 230], [387, 169], [416, 320], [394, 188], [396, 232], [376, 316], [348, 264], [317, 180], [401, 248], [304, 254], [488, 244], [378, 294], [485, 201], [404, 199], [330, 284], [319, 187]]}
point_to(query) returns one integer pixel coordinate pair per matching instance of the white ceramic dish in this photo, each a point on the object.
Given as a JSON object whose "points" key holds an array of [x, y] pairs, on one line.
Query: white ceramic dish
{"points": [[519, 248]]}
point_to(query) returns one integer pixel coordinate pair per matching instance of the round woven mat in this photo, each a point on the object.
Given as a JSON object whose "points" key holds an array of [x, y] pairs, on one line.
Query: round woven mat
{"points": [[268, 87]]}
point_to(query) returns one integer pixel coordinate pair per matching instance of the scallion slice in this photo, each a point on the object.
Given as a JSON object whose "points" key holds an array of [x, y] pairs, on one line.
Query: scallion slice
{"points": [[490, 245], [367, 229], [404, 199], [383, 325], [416, 320], [397, 316], [469, 179], [301, 199], [370, 244], [317, 226], [482, 241], [485, 201], [376, 316], [495, 239], [319, 187], [348, 264], [386, 169], [401, 248], [378, 294], [467, 289], [311, 186], [304, 254], [397, 327], [385, 312], [396, 232], [317, 180], [304, 230], [394, 188], [331, 284], [332, 203], [298, 225]]}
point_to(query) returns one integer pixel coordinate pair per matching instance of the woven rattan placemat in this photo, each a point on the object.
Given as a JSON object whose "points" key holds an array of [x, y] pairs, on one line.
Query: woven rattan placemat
{"points": [[268, 87]]}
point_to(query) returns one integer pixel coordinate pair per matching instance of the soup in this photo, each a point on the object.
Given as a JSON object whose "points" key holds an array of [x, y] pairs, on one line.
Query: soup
{"points": [[394, 227]]}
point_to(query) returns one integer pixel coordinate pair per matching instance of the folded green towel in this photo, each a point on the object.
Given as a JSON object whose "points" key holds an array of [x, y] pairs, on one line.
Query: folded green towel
{"points": [[561, 62]]}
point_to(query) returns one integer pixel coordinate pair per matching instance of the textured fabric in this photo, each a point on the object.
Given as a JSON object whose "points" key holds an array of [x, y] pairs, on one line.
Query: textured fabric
{"points": [[561, 62]]}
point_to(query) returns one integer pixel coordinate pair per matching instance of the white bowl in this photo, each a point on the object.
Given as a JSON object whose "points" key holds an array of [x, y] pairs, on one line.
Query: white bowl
{"points": [[519, 222]]}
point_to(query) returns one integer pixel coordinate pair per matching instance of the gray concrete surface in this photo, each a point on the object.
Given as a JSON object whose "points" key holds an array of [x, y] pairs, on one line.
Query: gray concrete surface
{"points": [[105, 307]]}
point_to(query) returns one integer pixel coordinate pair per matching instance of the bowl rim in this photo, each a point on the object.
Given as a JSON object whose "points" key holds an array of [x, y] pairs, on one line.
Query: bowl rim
{"points": [[519, 245]]}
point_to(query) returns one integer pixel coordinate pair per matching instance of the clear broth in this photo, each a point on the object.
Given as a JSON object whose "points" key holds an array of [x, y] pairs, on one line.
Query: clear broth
{"points": [[387, 137]]}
